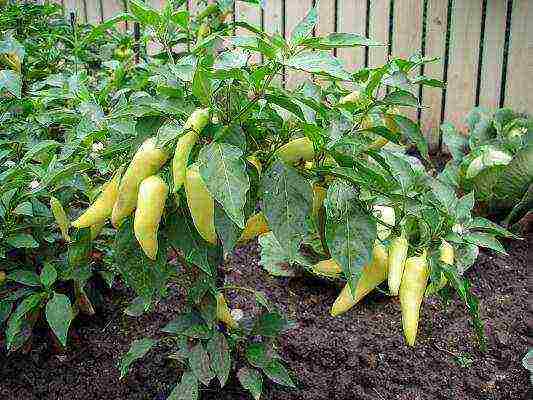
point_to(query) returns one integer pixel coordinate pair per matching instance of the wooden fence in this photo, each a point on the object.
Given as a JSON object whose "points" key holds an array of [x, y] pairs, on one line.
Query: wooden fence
{"points": [[485, 46]]}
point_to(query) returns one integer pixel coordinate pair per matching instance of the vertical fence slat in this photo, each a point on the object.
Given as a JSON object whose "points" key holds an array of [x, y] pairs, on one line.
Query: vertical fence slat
{"points": [[351, 17], [78, 7], [519, 90], [492, 61], [463, 61], [251, 14], [273, 22], [407, 35], [111, 8], [94, 13], [326, 18], [437, 24], [294, 13], [378, 29]]}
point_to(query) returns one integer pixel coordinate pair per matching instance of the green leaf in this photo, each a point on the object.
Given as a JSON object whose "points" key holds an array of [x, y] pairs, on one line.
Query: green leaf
{"points": [[183, 235], [269, 325], [224, 172], [465, 256], [342, 40], [275, 258], [59, 316], [187, 388], [201, 364], [427, 81], [277, 373], [318, 62], [304, 28], [464, 207], [454, 140], [11, 82], [258, 355], [251, 380], [228, 232], [230, 60], [78, 255], [16, 323], [28, 278], [401, 98], [485, 225], [22, 240], [201, 85], [24, 208], [350, 231], [145, 14], [139, 348], [147, 277], [287, 203], [219, 352], [412, 133], [484, 240], [48, 275]]}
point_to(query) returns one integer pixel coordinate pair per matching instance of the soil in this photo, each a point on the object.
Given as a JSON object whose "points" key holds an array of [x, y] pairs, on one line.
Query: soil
{"points": [[360, 355]]}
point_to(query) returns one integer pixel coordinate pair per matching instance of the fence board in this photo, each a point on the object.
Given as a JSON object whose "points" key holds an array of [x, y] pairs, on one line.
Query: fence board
{"points": [[430, 117], [351, 16], [407, 35], [378, 29], [519, 91], [94, 11], [273, 23], [492, 61], [293, 15], [326, 18], [463, 64], [251, 14], [78, 7]]}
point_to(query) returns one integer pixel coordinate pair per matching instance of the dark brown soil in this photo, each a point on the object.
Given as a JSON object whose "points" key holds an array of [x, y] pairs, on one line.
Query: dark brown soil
{"points": [[360, 355]]}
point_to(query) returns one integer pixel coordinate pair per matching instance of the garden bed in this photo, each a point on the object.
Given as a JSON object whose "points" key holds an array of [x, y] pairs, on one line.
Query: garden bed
{"points": [[361, 355]]}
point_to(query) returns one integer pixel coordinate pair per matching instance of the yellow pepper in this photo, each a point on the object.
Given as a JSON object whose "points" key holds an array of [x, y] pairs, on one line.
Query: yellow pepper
{"points": [[102, 208], [61, 217], [397, 257], [224, 314], [146, 162], [372, 275], [201, 204], [297, 150], [412, 288], [255, 226], [153, 193]]}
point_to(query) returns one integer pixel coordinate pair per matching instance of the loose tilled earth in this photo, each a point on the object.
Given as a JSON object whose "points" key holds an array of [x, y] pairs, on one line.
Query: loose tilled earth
{"points": [[360, 355]]}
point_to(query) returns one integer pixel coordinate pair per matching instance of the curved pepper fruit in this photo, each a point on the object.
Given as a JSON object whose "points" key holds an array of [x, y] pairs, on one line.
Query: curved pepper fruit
{"points": [[153, 193], [201, 204], [414, 282], [146, 162], [372, 275], [102, 207]]}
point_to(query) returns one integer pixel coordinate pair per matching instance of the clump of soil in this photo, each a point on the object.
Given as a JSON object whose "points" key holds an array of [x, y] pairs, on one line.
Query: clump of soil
{"points": [[360, 355]]}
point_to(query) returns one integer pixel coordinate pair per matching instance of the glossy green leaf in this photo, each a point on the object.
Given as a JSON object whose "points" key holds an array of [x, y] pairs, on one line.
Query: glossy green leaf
{"points": [[138, 349], [251, 380], [201, 364], [48, 275], [318, 62], [287, 199], [187, 389], [224, 172], [219, 352], [59, 315], [350, 231], [277, 373]]}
